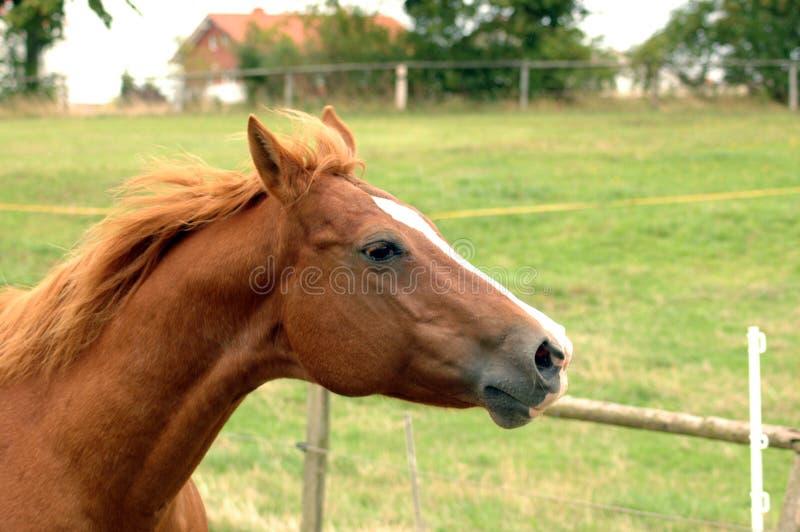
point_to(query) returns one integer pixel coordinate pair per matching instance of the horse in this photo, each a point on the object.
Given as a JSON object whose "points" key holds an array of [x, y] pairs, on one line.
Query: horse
{"points": [[118, 370]]}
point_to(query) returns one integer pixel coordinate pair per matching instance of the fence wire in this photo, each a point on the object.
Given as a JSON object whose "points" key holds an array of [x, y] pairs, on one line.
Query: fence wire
{"points": [[484, 486], [437, 82]]}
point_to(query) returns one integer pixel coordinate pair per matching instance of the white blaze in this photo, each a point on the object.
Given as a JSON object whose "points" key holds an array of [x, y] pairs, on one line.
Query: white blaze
{"points": [[412, 219]]}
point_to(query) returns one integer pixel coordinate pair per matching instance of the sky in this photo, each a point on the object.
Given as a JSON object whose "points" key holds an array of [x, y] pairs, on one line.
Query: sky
{"points": [[93, 57]]}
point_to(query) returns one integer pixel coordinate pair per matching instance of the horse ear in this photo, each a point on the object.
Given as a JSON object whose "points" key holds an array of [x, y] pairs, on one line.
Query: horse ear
{"points": [[331, 119], [277, 170]]}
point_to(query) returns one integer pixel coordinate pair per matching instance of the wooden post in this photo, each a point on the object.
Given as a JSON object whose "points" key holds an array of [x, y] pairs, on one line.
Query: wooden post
{"points": [[288, 89], [793, 85], [180, 95], [63, 93], [524, 84], [316, 457], [790, 513], [401, 87], [655, 81], [412, 471]]}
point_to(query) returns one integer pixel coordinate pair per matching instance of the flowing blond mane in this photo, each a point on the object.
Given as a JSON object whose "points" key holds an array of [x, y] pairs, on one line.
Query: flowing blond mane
{"points": [[47, 327]]}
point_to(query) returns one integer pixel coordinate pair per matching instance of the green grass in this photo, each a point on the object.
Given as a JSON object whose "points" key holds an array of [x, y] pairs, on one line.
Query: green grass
{"points": [[656, 299]]}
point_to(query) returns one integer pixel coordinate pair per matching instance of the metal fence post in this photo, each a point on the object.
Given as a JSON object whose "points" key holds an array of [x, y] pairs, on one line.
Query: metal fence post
{"points": [[401, 87], [316, 458], [524, 84], [793, 85], [288, 89]]}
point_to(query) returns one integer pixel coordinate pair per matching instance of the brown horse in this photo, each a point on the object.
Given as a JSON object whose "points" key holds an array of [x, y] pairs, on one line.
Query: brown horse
{"points": [[119, 369]]}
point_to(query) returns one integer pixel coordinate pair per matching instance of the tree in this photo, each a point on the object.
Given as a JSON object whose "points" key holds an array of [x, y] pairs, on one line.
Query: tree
{"points": [[127, 86], [706, 31], [333, 34], [502, 29], [31, 26], [686, 44], [349, 35], [264, 49], [498, 28], [131, 93]]}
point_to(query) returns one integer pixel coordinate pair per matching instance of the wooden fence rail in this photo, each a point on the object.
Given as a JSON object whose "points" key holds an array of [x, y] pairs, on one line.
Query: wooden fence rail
{"points": [[401, 69], [713, 428], [709, 427]]}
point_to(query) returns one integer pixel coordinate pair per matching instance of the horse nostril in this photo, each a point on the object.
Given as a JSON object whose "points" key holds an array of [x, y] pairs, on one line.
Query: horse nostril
{"points": [[542, 358], [548, 355]]}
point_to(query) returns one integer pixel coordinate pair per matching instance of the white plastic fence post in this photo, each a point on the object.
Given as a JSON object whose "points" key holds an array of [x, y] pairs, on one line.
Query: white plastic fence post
{"points": [[401, 87], [759, 499]]}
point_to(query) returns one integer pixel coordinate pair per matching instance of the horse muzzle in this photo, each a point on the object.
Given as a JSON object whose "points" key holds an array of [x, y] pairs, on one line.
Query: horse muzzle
{"points": [[520, 391]]}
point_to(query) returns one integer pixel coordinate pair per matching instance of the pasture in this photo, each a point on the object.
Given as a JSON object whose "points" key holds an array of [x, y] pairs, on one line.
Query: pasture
{"points": [[656, 299]]}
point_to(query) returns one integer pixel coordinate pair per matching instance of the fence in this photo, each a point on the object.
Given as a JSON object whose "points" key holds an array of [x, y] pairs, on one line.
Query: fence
{"points": [[51, 92], [406, 83], [755, 434], [402, 82], [713, 428]]}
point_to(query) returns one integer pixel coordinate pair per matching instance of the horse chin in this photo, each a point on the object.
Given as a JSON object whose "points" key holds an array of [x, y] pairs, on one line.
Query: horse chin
{"points": [[509, 420], [506, 411]]}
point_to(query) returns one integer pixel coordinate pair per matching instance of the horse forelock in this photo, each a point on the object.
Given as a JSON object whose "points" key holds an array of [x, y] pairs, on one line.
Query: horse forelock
{"points": [[45, 328], [317, 148]]}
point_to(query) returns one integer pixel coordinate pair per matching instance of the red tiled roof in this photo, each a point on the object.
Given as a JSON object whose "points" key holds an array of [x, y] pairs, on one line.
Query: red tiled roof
{"points": [[389, 23], [290, 24], [236, 25]]}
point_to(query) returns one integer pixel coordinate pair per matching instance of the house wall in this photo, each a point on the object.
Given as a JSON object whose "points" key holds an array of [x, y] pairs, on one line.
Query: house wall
{"points": [[214, 51]]}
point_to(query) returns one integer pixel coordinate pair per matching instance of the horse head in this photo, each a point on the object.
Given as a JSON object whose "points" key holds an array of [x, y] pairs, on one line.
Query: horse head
{"points": [[376, 302]]}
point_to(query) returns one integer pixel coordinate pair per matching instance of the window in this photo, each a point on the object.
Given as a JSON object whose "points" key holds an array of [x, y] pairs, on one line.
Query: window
{"points": [[212, 43]]}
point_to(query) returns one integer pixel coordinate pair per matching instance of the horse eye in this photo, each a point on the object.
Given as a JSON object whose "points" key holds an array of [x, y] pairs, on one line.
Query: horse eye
{"points": [[381, 251]]}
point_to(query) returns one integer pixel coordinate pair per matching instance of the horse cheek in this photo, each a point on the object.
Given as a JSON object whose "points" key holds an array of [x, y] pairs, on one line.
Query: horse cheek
{"points": [[331, 347]]}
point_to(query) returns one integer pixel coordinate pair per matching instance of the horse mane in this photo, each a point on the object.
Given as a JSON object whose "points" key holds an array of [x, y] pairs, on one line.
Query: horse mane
{"points": [[45, 328]]}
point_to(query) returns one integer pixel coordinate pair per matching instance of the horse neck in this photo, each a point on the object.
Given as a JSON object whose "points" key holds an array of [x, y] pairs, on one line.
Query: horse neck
{"points": [[138, 411]]}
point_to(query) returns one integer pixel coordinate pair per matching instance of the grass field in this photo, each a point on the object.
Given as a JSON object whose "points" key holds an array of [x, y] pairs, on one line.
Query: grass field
{"points": [[657, 300]]}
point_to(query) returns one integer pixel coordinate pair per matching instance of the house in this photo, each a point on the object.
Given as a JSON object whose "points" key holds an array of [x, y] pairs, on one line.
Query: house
{"points": [[212, 47]]}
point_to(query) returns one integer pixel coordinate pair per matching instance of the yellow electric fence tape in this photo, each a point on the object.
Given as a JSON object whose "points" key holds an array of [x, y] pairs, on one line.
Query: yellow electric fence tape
{"points": [[480, 213], [584, 205], [54, 209]]}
